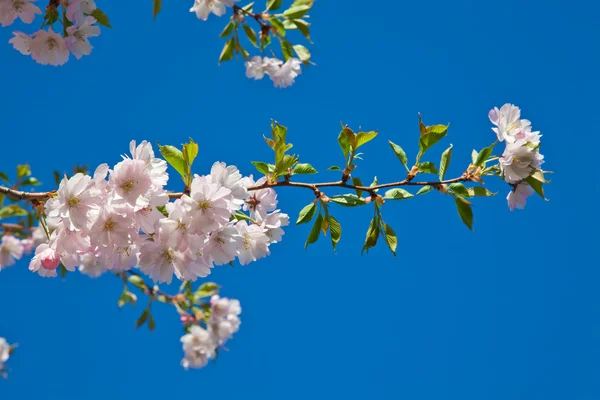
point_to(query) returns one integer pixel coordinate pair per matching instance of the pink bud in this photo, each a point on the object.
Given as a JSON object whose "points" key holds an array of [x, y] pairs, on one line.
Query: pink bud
{"points": [[50, 259]]}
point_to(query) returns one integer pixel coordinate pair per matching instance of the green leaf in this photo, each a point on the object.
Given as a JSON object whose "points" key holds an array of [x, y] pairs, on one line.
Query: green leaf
{"points": [[348, 200], [296, 12], [303, 27], [227, 52], [364, 137], [306, 214], [142, 319], [445, 162], [372, 235], [427, 167], [156, 6], [346, 140], [334, 168], [63, 271], [31, 181], [126, 297], [315, 232], [273, 5], [357, 182], [536, 185], [539, 175], [479, 191], [474, 155], [390, 238], [163, 210], [248, 7], [4, 177], [207, 289], [191, 151], [228, 29], [12, 210], [250, 34], [484, 154], [151, 323], [464, 211], [261, 167], [23, 171], [397, 194], [286, 49], [400, 154], [101, 18], [2, 199], [459, 189], [302, 53], [304, 169], [285, 164], [137, 281], [336, 231], [174, 157], [278, 25], [424, 190], [430, 135], [57, 177]]}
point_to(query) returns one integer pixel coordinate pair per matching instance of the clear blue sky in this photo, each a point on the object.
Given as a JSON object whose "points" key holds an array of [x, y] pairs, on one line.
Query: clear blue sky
{"points": [[511, 311]]}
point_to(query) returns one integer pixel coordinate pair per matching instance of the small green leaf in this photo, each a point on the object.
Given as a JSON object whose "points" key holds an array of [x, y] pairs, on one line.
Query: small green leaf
{"points": [[142, 319], [430, 135], [286, 49], [296, 12], [156, 7], [304, 169], [348, 200], [207, 289], [346, 140], [23, 171], [250, 34], [372, 235], [302, 53], [126, 297], [12, 210], [427, 167], [278, 25], [63, 271], [228, 29], [31, 181], [484, 154], [57, 177], [101, 18], [261, 167], [273, 5], [479, 191], [303, 27], [334, 168], [536, 185], [174, 157], [336, 231], [397, 194], [357, 182], [390, 238], [459, 189], [248, 7], [445, 162], [227, 52], [464, 211], [191, 151], [315, 232], [474, 155], [137, 281], [151, 323], [163, 210], [4, 177], [400, 154], [306, 214], [364, 137]]}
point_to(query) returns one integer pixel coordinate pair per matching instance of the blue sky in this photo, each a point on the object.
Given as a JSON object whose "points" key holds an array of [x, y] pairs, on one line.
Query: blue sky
{"points": [[511, 311]]}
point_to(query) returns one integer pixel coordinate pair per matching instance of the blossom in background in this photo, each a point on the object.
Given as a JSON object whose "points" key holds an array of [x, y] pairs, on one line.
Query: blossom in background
{"points": [[5, 350], [77, 9], [21, 42], [203, 8], [49, 48], [77, 41], [11, 250], [10, 10], [285, 76], [198, 347], [518, 196], [282, 74], [73, 202]]}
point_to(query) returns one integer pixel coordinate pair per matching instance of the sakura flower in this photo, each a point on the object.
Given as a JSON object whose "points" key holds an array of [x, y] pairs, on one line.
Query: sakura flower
{"points": [[77, 41], [255, 68], [11, 250], [121, 258], [50, 48], [78, 9], [222, 306], [510, 126], [259, 202], [112, 229], [160, 261], [203, 8], [223, 244], [74, 201], [174, 229], [35, 265], [5, 350], [229, 177], [10, 10], [518, 161], [285, 76], [92, 265], [209, 204], [198, 347], [272, 223], [21, 42], [157, 168], [255, 244], [131, 181], [224, 320], [517, 198]]}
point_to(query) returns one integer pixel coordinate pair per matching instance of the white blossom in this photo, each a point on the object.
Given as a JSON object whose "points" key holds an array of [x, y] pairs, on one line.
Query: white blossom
{"points": [[255, 243], [78, 9], [11, 250], [518, 161], [285, 76], [77, 41], [203, 8], [4, 352], [198, 347], [73, 202], [10, 10], [517, 198], [49, 48], [21, 42]]}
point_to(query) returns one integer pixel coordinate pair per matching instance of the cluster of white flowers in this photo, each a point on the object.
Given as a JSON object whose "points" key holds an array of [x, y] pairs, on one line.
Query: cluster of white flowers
{"points": [[13, 248], [46, 46], [100, 224], [4, 352], [282, 74], [200, 344], [521, 156], [203, 8]]}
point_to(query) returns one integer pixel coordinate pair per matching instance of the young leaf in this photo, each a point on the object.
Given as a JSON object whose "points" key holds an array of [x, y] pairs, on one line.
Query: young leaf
{"points": [[278, 25], [250, 34], [484, 154], [302, 53], [227, 52], [334, 168], [315, 232], [101, 18], [399, 153], [479, 191], [397, 194], [4, 177], [286, 49], [425, 189], [336, 231], [464, 211], [364, 137], [296, 12], [303, 27], [261, 167], [228, 29], [372, 235], [12, 210], [347, 200], [156, 6], [174, 157], [163, 210], [142, 319], [427, 167], [445, 162], [207, 289], [23, 171], [151, 323], [346, 139], [191, 150], [459, 189], [390, 238], [304, 169], [31, 181], [357, 182], [306, 214], [430, 135], [536, 185]]}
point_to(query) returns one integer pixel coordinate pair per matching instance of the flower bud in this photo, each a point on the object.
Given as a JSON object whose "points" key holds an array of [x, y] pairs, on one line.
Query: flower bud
{"points": [[50, 259], [367, 199]]}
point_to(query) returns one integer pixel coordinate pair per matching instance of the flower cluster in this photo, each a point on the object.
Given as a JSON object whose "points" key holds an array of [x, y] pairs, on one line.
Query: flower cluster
{"points": [[46, 46], [99, 224], [200, 344], [203, 8], [521, 157], [282, 74]]}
